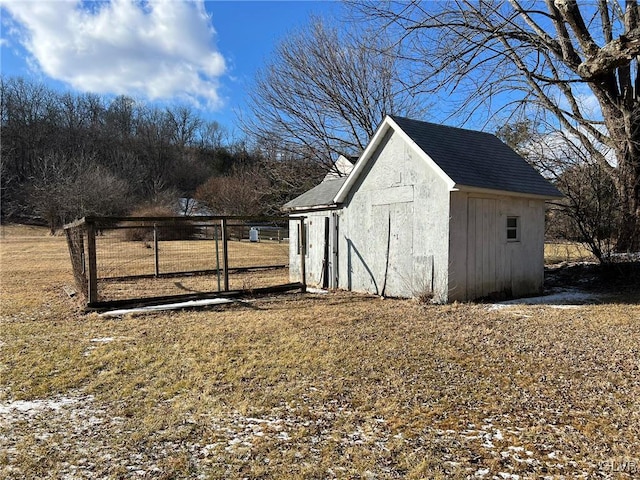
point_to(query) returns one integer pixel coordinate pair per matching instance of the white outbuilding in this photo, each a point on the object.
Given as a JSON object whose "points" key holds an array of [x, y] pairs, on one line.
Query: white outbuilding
{"points": [[427, 210]]}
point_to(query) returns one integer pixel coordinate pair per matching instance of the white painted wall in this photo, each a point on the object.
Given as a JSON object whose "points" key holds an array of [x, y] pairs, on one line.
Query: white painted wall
{"points": [[394, 227], [294, 253]]}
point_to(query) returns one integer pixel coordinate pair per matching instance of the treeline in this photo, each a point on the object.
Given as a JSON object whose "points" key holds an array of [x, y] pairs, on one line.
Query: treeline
{"points": [[68, 155]]}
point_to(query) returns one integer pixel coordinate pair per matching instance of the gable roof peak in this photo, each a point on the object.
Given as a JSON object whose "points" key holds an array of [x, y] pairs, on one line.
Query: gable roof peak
{"points": [[466, 159], [406, 120]]}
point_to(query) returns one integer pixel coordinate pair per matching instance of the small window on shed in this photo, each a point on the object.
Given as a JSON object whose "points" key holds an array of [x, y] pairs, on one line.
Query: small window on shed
{"points": [[513, 229]]}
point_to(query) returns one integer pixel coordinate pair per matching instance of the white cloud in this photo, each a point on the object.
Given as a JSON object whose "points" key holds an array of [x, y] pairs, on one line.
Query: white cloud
{"points": [[159, 49]]}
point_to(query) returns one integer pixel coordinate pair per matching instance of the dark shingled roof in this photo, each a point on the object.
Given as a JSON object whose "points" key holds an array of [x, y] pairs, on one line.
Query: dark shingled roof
{"points": [[320, 195], [476, 159]]}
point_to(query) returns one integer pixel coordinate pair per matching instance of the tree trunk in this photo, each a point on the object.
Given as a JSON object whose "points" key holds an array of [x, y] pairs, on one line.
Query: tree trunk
{"points": [[629, 231], [628, 186], [624, 131]]}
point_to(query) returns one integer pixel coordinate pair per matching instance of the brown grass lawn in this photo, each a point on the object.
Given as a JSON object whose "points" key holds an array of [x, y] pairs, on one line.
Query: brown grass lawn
{"points": [[566, 252], [309, 386], [117, 257]]}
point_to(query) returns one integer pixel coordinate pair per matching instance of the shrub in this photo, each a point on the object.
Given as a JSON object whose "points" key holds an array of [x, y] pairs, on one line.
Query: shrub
{"points": [[166, 230]]}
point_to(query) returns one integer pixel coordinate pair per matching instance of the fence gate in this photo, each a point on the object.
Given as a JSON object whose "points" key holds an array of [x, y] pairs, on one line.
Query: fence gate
{"points": [[142, 260]]}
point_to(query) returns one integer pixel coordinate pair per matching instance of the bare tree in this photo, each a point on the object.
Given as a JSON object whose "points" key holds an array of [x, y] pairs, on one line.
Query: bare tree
{"points": [[64, 155], [211, 135], [591, 207], [239, 193], [325, 91], [574, 65], [47, 190], [590, 211], [287, 179], [64, 188], [184, 125], [97, 191]]}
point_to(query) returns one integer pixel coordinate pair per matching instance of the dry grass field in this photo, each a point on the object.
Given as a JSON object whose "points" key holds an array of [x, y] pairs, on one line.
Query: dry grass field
{"points": [[310, 386], [566, 252], [118, 256]]}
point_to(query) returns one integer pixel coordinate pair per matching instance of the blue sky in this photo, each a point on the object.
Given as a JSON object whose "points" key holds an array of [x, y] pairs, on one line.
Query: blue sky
{"points": [[200, 53]]}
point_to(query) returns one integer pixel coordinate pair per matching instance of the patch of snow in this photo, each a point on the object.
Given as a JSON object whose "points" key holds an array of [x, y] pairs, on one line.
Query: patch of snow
{"points": [[169, 306], [34, 406], [626, 257], [511, 476], [103, 340], [560, 299], [317, 290], [259, 420]]}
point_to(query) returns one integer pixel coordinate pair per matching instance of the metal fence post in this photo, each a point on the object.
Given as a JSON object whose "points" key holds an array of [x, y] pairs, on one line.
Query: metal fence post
{"points": [[93, 264], [225, 253], [155, 250], [215, 234]]}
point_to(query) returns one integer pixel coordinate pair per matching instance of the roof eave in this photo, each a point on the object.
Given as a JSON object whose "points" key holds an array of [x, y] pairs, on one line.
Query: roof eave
{"points": [[310, 208], [490, 191], [359, 166]]}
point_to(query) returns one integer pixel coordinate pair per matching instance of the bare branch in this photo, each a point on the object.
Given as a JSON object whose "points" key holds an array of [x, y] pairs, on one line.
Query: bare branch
{"points": [[578, 64], [614, 54], [326, 90]]}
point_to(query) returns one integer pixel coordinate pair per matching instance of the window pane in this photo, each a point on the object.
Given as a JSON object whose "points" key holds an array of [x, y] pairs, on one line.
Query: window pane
{"points": [[513, 228]]}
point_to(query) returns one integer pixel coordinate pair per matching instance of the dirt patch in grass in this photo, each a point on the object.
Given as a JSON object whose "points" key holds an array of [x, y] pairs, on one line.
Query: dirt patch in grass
{"points": [[311, 386]]}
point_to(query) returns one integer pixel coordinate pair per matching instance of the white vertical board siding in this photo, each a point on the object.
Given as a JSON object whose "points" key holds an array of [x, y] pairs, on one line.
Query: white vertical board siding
{"points": [[482, 246], [527, 254], [315, 222], [483, 263], [457, 274], [294, 256], [314, 256]]}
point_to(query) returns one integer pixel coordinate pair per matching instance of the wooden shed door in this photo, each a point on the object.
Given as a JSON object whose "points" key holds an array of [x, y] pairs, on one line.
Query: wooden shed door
{"points": [[393, 224], [482, 245], [330, 252]]}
